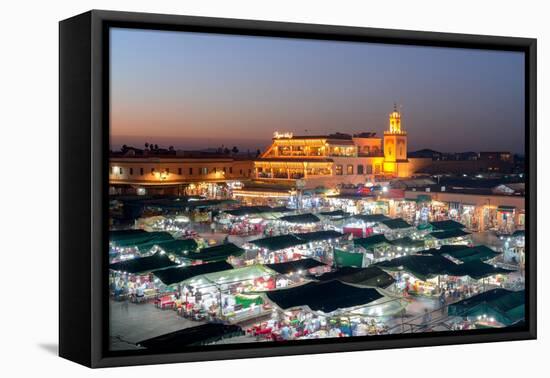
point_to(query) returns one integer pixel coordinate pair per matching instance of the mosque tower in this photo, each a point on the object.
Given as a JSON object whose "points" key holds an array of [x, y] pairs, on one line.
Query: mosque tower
{"points": [[395, 143]]}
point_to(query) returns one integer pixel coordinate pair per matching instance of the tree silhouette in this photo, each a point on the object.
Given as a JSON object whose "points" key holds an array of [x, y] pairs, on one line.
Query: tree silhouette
{"points": [[235, 150]]}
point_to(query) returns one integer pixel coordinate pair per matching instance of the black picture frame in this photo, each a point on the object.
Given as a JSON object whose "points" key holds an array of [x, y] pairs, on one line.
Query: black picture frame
{"points": [[83, 196]]}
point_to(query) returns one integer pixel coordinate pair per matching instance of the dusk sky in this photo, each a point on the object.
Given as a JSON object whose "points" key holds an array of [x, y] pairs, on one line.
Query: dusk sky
{"points": [[196, 91]]}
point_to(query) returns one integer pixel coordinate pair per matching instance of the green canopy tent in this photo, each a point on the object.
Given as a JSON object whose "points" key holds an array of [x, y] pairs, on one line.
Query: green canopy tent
{"points": [[179, 340], [463, 252], [369, 276], [372, 218], [142, 240], [449, 234], [169, 203], [505, 306], [117, 235], [343, 258], [205, 204], [477, 253], [279, 209], [407, 242], [178, 247], [276, 243], [230, 276], [179, 274], [446, 225], [478, 270], [396, 224], [256, 210], [319, 235], [217, 253], [295, 266], [301, 218], [371, 242], [443, 250], [335, 214], [143, 264], [422, 267], [247, 210], [325, 297], [424, 227]]}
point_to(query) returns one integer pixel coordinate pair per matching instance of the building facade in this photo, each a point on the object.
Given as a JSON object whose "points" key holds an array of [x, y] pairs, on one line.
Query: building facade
{"points": [[174, 174], [329, 160]]}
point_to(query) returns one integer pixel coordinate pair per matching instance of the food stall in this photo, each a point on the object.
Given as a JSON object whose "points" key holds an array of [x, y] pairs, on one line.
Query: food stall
{"points": [[228, 295], [320, 310], [131, 279], [493, 308], [282, 248], [362, 225]]}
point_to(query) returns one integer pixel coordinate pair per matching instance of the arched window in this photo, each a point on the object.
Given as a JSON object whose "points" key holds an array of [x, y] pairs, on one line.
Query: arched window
{"points": [[360, 169]]}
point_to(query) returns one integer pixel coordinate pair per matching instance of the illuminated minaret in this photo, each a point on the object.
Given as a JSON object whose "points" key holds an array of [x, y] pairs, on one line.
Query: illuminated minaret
{"points": [[395, 143]]}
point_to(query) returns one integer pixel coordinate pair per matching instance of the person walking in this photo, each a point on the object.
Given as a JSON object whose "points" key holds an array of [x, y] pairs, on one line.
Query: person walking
{"points": [[126, 299], [426, 319], [213, 227], [442, 301]]}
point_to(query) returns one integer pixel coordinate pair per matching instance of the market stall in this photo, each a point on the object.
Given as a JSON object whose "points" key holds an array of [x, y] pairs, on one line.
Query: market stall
{"points": [[495, 308], [220, 252], [374, 247], [463, 253], [249, 220], [131, 279], [300, 267], [429, 275], [320, 310], [371, 276], [176, 225], [227, 295], [405, 208], [127, 244], [397, 227], [139, 239], [176, 275], [407, 245], [362, 225], [276, 249], [446, 225], [456, 236]]}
